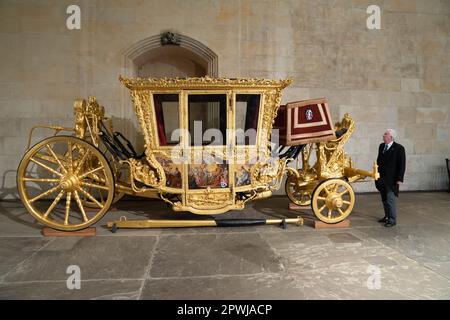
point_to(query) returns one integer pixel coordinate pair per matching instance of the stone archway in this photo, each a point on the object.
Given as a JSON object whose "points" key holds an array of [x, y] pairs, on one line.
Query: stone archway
{"points": [[173, 45], [164, 55]]}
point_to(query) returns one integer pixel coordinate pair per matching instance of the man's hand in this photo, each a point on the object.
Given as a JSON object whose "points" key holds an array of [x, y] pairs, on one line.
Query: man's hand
{"points": [[399, 182]]}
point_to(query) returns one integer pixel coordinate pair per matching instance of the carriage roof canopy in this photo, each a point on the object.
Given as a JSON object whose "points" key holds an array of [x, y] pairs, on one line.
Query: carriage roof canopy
{"points": [[204, 83]]}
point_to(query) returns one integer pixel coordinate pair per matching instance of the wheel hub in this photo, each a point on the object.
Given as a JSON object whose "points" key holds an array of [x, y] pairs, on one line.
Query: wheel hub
{"points": [[69, 182], [334, 201]]}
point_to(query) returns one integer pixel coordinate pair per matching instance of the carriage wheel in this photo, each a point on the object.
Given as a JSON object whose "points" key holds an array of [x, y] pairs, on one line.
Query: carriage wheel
{"points": [[333, 200], [56, 173], [298, 195]]}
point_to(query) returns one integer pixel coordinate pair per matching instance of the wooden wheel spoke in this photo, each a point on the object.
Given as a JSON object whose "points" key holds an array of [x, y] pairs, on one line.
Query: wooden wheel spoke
{"points": [[340, 211], [66, 217], [69, 155], [30, 179], [321, 208], [343, 192], [46, 167], [98, 179], [90, 197], [321, 198], [53, 205], [80, 206], [90, 191], [101, 197], [329, 213], [336, 187], [326, 190], [49, 158], [46, 193], [91, 171], [93, 185], [83, 196], [45, 157], [56, 158], [346, 202], [83, 159]]}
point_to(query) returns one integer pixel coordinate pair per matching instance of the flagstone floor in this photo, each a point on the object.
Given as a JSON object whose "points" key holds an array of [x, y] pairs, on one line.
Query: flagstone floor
{"points": [[365, 261]]}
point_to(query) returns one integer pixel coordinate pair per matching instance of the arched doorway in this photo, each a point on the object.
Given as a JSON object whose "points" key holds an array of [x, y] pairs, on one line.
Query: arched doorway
{"points": [[171, 62], [164, 55], [168, 55]]}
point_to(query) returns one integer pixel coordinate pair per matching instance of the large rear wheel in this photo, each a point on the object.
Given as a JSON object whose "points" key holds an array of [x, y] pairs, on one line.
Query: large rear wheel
{"points": [[56, 178]]}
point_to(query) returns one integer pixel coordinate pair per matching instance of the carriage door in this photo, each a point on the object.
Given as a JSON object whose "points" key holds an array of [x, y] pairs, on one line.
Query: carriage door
{"points": [[208, 181]]}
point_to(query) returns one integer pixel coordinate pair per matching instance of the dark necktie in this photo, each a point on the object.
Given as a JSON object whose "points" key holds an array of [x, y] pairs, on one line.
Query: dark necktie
{"points": [[385, 148]]}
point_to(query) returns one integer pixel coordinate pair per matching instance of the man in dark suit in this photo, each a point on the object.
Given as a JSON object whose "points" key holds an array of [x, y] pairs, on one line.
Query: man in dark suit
{"points": [[391, 165]]}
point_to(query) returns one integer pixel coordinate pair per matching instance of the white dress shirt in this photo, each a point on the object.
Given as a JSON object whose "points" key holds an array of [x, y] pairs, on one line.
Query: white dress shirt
{"points": [[389, 145]]}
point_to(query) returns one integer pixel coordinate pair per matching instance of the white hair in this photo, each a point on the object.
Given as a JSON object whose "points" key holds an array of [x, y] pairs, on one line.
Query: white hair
{"points": [[393, 133]]}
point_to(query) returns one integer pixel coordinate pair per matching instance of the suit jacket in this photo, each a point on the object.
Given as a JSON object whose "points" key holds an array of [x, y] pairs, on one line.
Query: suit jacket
{"points": [[391, 165]]}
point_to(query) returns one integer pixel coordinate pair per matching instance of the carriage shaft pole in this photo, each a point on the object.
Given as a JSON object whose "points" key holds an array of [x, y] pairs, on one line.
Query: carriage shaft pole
{"points": [[143, 224], [350, 171]]}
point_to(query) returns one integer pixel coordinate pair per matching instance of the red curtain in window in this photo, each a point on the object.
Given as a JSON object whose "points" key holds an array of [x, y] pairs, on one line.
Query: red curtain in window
{"points": [[160, 122]]}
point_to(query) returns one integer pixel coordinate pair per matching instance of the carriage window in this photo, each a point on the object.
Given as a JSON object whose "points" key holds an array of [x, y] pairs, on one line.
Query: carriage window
{"points": [[167, 118], [207, 119], [247, 112]]}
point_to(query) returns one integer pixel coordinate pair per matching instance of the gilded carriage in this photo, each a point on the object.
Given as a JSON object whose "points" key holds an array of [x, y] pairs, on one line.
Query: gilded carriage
{"points": [[208, 149]]}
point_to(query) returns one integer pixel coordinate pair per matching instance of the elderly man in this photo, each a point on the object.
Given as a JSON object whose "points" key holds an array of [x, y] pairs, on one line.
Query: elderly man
{"points": [[391, 165]]}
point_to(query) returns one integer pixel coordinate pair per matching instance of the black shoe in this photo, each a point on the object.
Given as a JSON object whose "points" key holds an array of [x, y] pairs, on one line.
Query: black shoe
{"points": [[383, 220], [389, 224]]}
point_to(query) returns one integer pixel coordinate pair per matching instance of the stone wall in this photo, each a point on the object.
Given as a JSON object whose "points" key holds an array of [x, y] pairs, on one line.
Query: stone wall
{"points": [[396, 77]]}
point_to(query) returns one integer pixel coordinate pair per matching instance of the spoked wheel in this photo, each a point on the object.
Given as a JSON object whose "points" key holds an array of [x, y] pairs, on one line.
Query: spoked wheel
{"points": [[298, 195], [333, 200], [56, 174]]}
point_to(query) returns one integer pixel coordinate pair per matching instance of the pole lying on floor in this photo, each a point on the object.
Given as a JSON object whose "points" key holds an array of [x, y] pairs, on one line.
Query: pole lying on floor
{"points": [[123, 223]]}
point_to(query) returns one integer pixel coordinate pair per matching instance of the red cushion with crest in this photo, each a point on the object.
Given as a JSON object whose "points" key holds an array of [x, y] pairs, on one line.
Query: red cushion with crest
{"points": [[305, 121]]}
